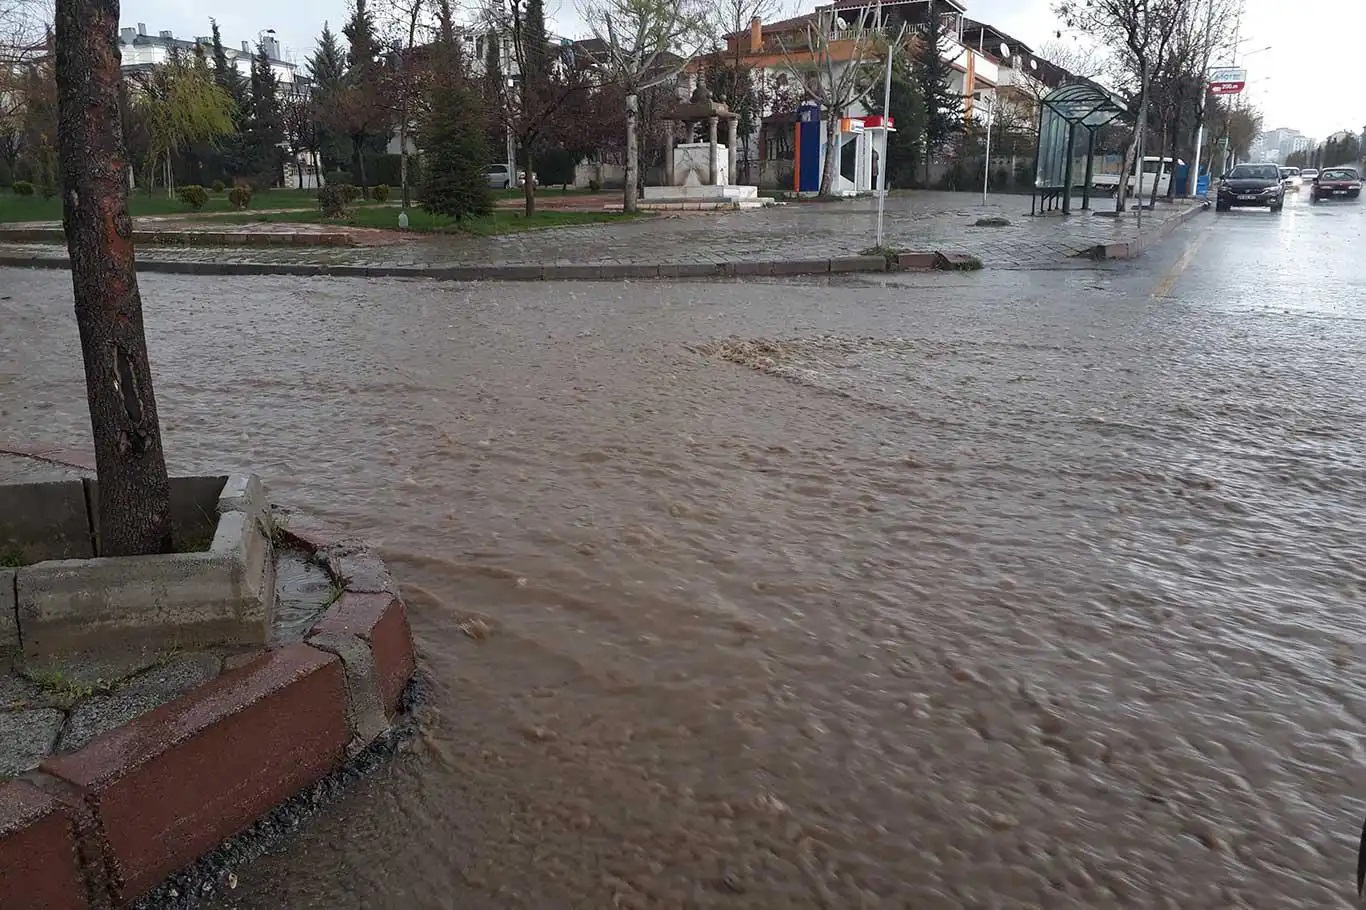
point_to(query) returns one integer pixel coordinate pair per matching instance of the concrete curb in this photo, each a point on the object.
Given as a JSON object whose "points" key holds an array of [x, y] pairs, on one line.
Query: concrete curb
{"points": [[102, 826], [1132, 249], [196, 238], [907, 261]]}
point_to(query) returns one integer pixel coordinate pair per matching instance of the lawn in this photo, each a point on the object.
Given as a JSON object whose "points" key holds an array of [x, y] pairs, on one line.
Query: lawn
{"points": [[420, 221], [36, 208]]}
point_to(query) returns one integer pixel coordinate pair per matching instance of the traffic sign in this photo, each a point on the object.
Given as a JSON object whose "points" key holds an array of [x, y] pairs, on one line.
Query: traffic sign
{"points": [[1227, 80]]}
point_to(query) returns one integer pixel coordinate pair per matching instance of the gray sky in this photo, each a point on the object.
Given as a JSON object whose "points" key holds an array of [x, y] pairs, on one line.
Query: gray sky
{"points": [[1303, 82]]}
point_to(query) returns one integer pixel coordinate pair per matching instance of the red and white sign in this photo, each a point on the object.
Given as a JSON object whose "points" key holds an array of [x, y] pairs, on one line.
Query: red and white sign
{"points": [[877, 122], [1227, 80]]}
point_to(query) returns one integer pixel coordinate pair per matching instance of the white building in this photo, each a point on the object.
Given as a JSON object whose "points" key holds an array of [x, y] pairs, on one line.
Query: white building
{"points": [[141, 52]]}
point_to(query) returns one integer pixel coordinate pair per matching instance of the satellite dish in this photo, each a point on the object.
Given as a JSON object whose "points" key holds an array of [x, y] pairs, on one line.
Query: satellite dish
{"points": [[1005, 50]]}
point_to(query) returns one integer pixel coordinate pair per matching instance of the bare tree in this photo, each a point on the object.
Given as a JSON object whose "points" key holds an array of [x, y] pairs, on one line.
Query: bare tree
{"points": [[24, 28], [1140, 32], [647, 43], [542, 104], [835, 81], [1070, 54], [135, 495], [400, 28]]}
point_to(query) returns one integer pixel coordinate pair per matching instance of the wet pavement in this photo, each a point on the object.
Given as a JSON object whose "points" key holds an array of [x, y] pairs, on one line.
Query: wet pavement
{"points": [[921, 221], [931, 591]]}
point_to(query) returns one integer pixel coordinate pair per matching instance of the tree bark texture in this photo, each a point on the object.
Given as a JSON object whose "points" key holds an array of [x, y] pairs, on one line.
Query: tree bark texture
{"points": [[528, 186], [631, 197], [135, 513], [832, 154]]}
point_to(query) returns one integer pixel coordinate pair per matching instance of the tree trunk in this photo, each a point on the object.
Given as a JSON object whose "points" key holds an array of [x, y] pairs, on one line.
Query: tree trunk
{"points": [[832, 155], [403, 153], [358, 147], [528, 187], [1161, 169], [135, 495], [1176, 140], [631, 197], [1131, 153]]}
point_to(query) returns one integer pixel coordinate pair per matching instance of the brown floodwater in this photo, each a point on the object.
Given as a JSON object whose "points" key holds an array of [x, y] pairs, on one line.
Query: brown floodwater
{"points": [[991, 592]]}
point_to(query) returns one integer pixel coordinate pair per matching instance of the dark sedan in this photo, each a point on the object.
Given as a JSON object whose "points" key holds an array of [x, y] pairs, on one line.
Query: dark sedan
{"points": [[1337, 183], [1251, 185]]}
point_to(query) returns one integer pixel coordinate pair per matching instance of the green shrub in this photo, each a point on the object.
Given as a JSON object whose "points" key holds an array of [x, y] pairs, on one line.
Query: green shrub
{"points": [[240, 197], [380, 193], [332, 200], [336, 178], [349, 193], [594, 186], [218, 186], [22, 188], [196, 197]]}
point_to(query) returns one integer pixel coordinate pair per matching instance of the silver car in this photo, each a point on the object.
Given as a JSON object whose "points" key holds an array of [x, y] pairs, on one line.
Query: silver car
{"points": [[500, 178]]}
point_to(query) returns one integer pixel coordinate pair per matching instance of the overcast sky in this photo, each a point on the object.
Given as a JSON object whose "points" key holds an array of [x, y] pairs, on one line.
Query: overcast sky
{"points": [[1304, 82]]}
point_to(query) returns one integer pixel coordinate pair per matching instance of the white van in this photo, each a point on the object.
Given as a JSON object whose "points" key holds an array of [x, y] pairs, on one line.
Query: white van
{"points": [[1154, 168]]}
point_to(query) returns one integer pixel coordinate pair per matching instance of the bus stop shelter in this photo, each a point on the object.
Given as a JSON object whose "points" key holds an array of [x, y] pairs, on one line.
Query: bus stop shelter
{"points": [[1067, 110]]}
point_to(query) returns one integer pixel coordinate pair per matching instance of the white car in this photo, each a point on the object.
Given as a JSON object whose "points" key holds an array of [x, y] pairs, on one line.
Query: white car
{"points": [[1290, 176], [499, 178], [1308, 174]]}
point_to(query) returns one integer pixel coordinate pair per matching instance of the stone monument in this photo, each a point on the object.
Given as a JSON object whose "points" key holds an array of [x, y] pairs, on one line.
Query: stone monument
{"points": [[700, 173]]}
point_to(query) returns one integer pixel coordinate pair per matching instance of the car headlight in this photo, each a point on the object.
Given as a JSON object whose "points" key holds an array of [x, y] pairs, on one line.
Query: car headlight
{"points": [[1271, 190]]}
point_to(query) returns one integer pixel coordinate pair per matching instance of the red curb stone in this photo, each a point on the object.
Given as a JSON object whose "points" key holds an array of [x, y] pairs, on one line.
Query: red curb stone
{"points": [[174, 783], [39, 865], [382, 621]]}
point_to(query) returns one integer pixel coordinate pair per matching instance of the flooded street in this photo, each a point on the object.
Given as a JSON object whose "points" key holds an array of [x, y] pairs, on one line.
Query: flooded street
{"points": [[1005, 590]]}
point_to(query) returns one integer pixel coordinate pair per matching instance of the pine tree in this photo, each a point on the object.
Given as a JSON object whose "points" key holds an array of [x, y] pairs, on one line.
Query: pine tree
{"points": [[943, 106], [224, 72], [455, 164], [327, 64], [492, 90], [327, 69], [264, 130], [361, 112], [535, 42]]}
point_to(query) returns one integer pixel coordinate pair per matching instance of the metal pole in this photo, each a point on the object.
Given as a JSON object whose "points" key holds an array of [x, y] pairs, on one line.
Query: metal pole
{"points": [[986, 163], [886, 127]]}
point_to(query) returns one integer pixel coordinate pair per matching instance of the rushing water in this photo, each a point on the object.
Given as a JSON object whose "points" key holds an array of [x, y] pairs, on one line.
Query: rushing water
{"points": [[942, 596]]}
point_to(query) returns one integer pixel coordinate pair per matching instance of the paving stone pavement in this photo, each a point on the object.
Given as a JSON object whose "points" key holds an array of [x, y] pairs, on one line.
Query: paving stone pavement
{"points": [[919, 221]]}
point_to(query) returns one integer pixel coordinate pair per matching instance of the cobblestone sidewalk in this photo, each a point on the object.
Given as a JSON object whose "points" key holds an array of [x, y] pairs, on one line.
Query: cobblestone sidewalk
{"points": [[923, 221]]}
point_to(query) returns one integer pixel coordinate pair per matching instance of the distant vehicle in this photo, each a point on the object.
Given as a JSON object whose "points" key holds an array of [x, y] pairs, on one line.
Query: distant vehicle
{"points": [[1152, 165], [499, 178], [1308, 174], [1249, 185], [1337, 183], [1290, 176]]}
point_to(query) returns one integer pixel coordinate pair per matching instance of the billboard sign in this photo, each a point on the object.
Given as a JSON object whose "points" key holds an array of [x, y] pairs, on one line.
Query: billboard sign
{"points": [[1227, 80]]}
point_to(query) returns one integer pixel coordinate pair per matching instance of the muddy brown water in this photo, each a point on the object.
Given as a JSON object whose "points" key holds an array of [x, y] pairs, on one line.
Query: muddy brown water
{"points": [[929, 601]]}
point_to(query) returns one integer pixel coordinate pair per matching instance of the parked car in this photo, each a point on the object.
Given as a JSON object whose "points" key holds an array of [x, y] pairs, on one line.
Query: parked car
{"points": [[1251, 185], [1337, 183], [1290, 176], [1152, 166], [499, 178], [1308, 174]]}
